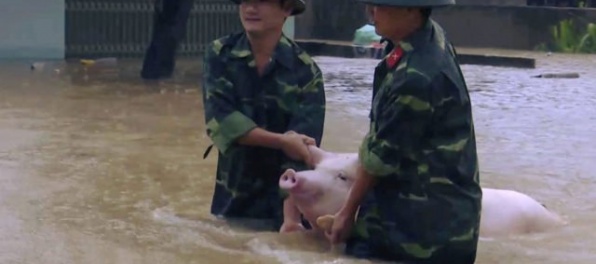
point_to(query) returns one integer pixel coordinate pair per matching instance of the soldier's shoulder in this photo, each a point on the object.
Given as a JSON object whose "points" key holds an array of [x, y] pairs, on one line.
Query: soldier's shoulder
{"points": [[220, 45], [304, 58], [436, 70], [424, 64], [431, 62]]}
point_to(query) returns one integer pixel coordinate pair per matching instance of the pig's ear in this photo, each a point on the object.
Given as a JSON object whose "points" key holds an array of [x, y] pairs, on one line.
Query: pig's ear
{"points": [[317, 154]]}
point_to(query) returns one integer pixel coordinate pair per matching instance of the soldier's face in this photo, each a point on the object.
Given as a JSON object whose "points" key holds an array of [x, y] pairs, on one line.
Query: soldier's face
{"points": [[391, 22], [260, 16]]}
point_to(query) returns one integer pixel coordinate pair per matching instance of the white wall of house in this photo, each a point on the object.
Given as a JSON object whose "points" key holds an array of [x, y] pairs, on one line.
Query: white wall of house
{"points": [[32, 29]]}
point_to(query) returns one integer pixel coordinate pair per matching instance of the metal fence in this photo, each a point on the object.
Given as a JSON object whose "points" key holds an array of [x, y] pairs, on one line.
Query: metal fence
{"points": [[123, 28]]}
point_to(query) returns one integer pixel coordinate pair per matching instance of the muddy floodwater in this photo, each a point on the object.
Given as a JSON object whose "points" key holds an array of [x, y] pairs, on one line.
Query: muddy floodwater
{"points": [[97, 166]]}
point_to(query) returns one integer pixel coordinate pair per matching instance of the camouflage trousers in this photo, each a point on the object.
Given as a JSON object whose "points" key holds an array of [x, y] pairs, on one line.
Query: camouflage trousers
{"points": [[377, 244], [364, 250]]}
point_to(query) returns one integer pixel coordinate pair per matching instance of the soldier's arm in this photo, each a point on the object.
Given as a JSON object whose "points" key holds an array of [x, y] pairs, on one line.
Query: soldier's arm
{"points": [[397, 131], [308, 117], [225, 124], [404, 116]]}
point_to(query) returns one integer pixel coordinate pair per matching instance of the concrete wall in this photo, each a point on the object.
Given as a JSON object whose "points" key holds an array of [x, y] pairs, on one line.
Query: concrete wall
{"points": [[330, 19], [31, 29], [512, 27]]}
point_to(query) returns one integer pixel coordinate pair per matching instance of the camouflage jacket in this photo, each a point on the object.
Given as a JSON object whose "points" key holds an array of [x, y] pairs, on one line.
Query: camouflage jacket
{"points": [[289, 96], [421, 148]]}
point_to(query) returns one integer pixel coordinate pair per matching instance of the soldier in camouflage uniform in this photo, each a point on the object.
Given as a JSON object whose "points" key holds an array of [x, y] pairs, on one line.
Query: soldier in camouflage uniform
{"points": [[264, 103], [418, 199]]}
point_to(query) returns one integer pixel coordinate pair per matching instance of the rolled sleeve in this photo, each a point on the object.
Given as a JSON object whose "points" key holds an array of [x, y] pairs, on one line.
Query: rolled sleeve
{"points": [[233, 126], [398, 129], [371, 162], [225, 124]]}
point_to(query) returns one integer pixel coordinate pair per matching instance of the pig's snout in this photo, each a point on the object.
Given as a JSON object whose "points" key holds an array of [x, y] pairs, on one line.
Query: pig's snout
{"points": [[288, 180]]}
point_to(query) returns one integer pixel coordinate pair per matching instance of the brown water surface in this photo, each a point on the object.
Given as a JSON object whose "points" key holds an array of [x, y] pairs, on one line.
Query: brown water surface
{"points": [[97, 168]]}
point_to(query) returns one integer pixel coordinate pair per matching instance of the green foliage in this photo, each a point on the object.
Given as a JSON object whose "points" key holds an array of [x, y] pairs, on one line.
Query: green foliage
{"points": [[587, 43], [568, 39], [565, 37]]}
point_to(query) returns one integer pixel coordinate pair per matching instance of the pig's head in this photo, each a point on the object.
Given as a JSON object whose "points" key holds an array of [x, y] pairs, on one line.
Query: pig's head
{"points": [[324, 189]]}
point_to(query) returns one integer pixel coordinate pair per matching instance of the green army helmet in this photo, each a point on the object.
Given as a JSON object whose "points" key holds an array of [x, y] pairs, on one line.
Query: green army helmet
{"points": [[410, 3], [299, 6]]}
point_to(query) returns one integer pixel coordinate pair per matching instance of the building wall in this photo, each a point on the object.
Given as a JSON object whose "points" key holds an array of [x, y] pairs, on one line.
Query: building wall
{"points": [[31, 29]]}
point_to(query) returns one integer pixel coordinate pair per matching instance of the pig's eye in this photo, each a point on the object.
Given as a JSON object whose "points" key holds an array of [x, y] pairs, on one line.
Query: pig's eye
{"points": [[342, 177]]}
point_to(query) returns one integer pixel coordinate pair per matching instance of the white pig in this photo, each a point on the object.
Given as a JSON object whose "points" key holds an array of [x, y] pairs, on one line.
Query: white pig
{"points": [[322, 191]]}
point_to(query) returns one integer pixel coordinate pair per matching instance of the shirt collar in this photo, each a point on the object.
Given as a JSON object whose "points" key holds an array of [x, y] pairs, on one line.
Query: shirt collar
{"points": [[421, 37], [283, 53]]}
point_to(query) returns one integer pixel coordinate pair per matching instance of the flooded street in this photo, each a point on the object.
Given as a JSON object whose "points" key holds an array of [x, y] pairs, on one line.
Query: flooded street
{"points": [[95, 168]]}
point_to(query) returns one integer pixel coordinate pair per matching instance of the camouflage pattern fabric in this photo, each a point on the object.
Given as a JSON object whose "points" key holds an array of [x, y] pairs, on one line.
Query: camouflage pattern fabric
{"points": [[425, 207], [288, 96]]}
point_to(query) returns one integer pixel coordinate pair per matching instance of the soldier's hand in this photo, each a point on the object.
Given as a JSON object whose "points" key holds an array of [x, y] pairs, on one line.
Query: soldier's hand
{"points": [[295, 146]]}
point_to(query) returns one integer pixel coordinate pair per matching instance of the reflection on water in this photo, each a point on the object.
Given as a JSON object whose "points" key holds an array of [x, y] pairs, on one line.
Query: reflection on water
{"points": [[96, 168]]}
